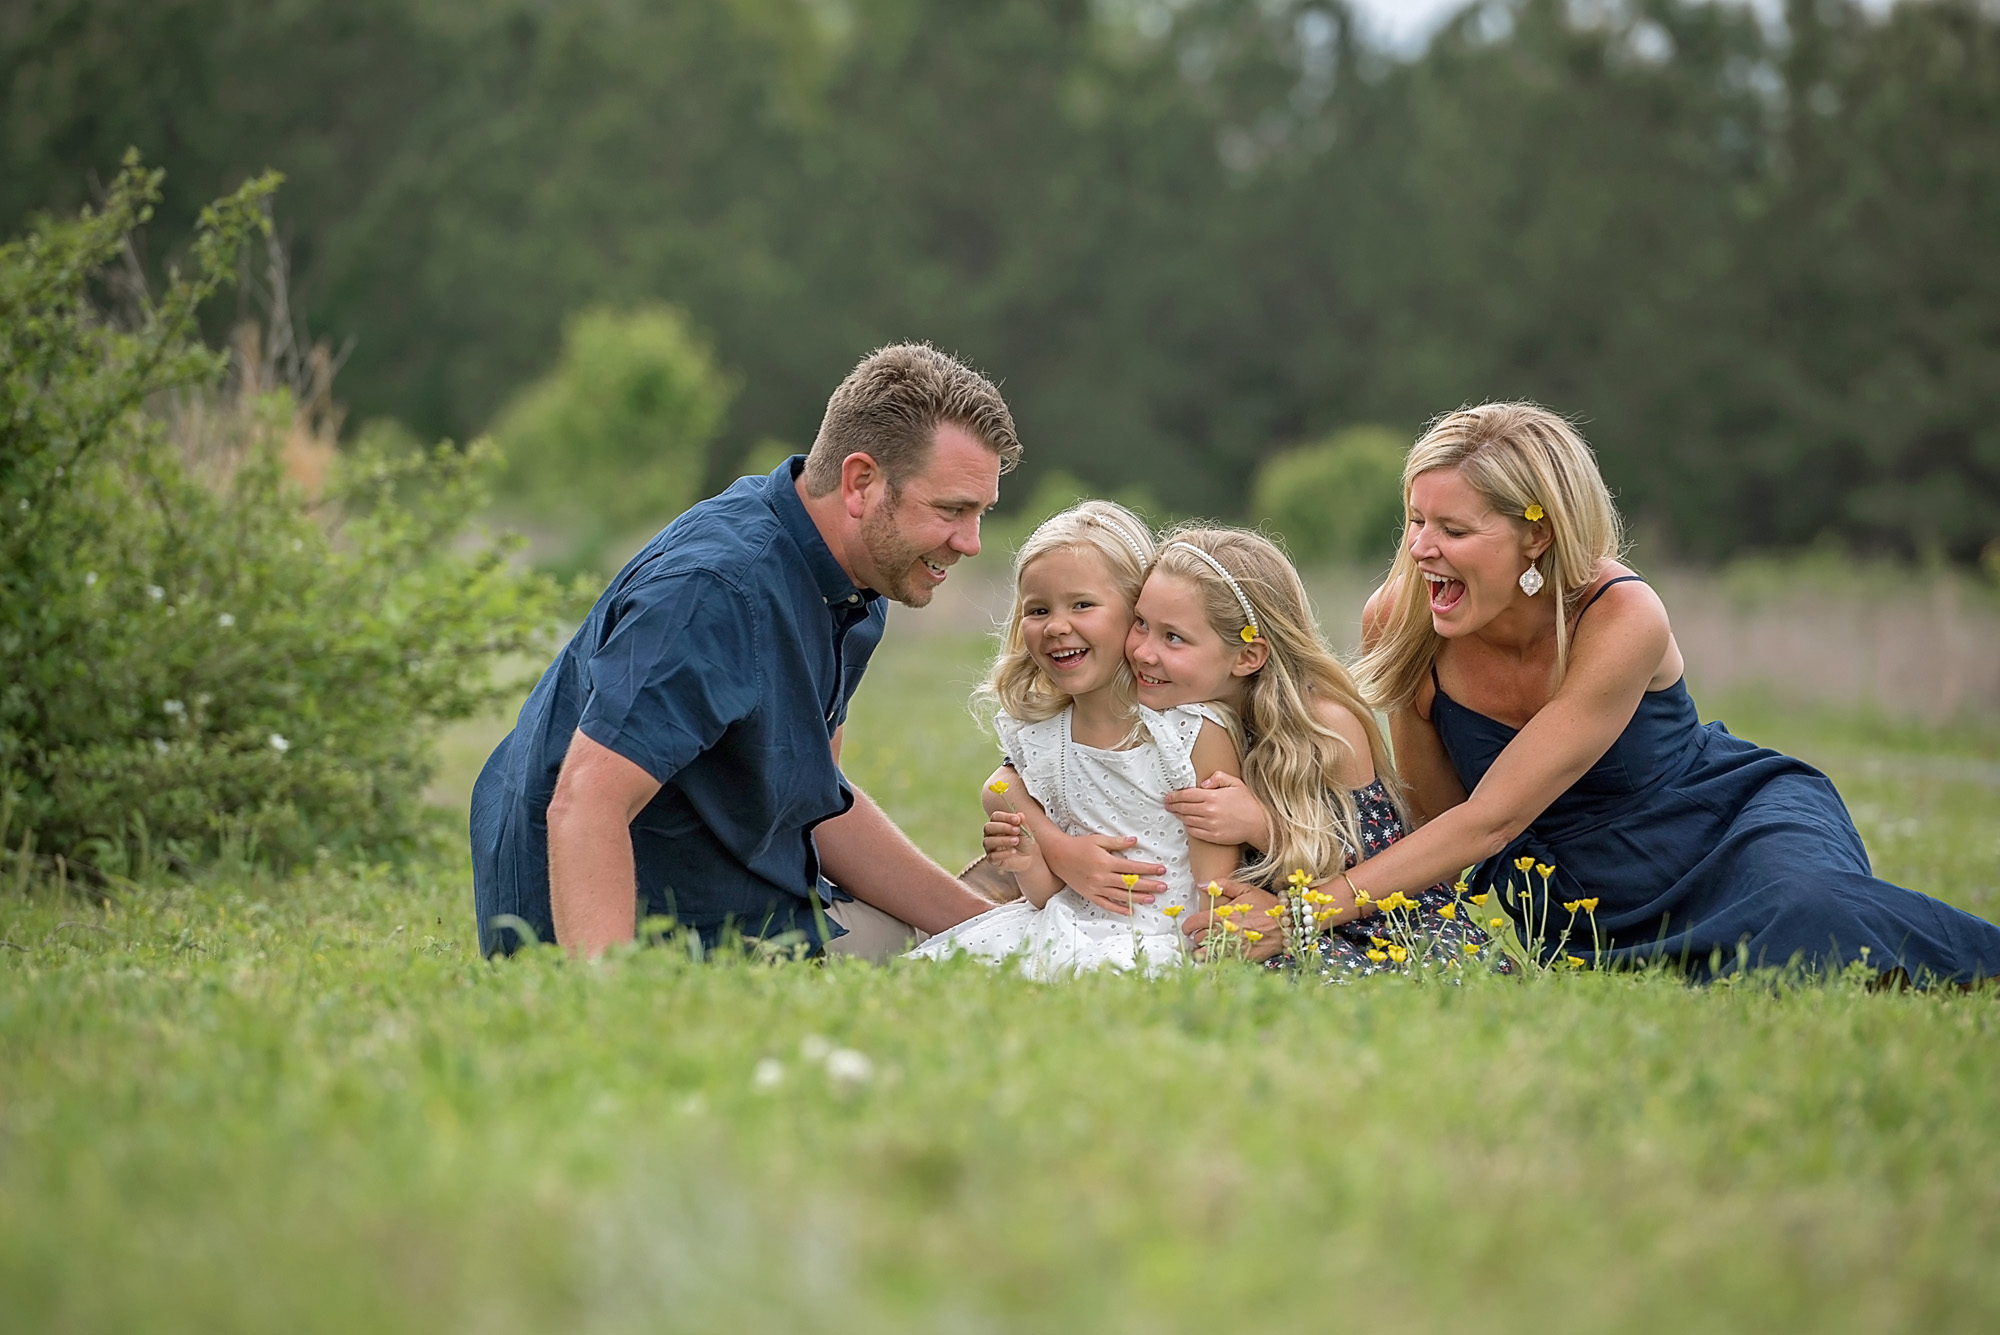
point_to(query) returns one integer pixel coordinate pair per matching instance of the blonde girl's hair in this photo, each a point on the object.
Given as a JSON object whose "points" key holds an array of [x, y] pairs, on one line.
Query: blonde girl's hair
{"points": [[1015, 683], [1292, 760], [1515, 455]]}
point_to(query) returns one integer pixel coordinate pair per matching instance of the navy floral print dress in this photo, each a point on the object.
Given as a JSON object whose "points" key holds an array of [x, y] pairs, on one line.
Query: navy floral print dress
{"points": [[1346, 950]]}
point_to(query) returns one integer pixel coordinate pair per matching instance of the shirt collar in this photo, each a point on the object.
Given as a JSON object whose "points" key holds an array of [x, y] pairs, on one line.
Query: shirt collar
{"points": [[782, 496]]}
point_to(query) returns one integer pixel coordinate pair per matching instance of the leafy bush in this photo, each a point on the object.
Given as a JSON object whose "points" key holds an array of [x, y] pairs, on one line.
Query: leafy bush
{"points": [[199, 654], [615, 438], [1338, 500]]}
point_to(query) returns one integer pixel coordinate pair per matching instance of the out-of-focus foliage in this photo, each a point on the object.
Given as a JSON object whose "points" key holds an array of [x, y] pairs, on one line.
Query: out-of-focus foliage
{"points": [[1339, 500], [200, 656], [616, 436], [1758, 260]]}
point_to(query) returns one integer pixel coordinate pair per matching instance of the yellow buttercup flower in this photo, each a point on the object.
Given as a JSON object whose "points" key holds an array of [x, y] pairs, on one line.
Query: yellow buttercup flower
{"points": [[1377, 956], [1572, 905], [1173, 910], [997, 786], [1214, 890], [1252, 936], [1229, 926], [1469, 948], [1524, 862], [1275, 911], [1545, 870], [1361, 896], [1589, 905], [1398, 954], [1379, 941], [1130, 880], [1575, 961], [1534, 512], [1448, 911], [1496, 923], [1480, 898], [1299, 878]]}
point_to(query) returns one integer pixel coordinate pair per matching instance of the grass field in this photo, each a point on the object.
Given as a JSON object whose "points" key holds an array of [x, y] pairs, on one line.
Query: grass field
{"points": [[303, 1105]]}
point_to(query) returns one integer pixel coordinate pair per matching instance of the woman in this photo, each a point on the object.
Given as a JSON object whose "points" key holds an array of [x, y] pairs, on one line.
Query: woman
{"points": [[1538, 711]]}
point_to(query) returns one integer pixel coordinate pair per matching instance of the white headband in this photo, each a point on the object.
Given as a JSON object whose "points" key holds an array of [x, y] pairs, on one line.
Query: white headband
{"points": [[1249, 612], [1138, 551]]}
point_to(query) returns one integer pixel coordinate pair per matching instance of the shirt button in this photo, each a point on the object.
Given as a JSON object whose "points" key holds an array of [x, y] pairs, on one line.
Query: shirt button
{"points": [[853, 597]]}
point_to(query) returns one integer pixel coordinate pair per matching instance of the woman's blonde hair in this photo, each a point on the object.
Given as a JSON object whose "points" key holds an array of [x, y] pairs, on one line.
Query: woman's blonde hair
{"points": [[1514, 455], [1292, 760], [1015, 683]]}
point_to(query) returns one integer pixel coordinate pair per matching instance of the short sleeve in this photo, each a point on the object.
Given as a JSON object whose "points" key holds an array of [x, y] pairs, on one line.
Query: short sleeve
{"points": [[1175, 732], [679, 666]]}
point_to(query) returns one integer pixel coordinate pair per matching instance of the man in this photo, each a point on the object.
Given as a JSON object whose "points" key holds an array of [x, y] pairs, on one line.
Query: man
{"points": [[681, 756]]}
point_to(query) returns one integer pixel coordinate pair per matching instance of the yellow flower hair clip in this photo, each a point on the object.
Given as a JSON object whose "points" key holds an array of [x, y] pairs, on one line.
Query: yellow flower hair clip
{"points": [[1534, 512], [1247, 634]]}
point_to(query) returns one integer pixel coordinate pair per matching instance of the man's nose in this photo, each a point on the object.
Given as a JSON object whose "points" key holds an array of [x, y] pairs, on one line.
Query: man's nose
{"points": [[965, 541]]}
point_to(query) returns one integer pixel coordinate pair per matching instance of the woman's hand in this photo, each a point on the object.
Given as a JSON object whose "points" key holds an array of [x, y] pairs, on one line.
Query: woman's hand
{"points": [[1088, 864], [1200, 927], [1222, 810]]}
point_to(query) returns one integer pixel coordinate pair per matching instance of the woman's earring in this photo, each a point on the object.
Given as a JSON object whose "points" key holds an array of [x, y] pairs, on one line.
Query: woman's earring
{"points": [[1531, 580]]}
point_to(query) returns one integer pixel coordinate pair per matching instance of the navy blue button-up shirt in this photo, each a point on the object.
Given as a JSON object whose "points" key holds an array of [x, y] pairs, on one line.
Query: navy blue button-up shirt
{"points": [[720, 661]]}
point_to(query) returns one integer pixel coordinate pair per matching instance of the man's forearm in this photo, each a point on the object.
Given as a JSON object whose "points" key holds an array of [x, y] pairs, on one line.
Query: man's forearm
{"points": [[866, 855], [593, 887]]}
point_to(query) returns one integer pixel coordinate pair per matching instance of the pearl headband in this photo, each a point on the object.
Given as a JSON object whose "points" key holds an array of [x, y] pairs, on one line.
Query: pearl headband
{"points": [[1138, 551], [1249, 631]]}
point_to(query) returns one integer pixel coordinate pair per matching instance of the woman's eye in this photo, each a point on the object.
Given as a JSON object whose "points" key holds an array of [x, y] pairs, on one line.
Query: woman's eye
{"points": [[1173, 638]]}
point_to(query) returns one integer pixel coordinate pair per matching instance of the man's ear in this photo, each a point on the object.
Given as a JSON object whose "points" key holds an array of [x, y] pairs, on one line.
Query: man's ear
{"points": [[1251, 658], [859, 476]]}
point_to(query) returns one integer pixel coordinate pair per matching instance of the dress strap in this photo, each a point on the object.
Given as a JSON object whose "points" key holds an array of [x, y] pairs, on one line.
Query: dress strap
{"points": [[1622, 579]]}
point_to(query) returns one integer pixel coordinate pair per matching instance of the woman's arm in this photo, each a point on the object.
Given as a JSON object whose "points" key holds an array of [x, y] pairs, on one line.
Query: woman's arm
{"points": [[1613, 658]]}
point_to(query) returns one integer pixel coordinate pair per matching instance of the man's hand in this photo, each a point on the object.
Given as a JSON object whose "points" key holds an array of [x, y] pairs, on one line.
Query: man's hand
{"points": [[1222, 810], [593, 889]]}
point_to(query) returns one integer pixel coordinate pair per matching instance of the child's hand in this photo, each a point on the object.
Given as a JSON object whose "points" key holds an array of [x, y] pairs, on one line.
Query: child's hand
{"points": [[1222, 810], [1093, 865], [1005, 848]]}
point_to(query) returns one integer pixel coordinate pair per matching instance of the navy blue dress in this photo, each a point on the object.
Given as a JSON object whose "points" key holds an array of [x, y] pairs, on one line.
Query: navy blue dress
{"points": [[1709, 853]]}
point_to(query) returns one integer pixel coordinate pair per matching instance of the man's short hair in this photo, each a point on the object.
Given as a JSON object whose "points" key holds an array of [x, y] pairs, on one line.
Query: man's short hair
{"points": [[890, 408]]}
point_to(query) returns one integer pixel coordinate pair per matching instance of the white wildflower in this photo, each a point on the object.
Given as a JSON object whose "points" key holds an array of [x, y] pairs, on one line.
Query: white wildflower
{"points": [[814, 1048], [770, 1073], [226, 620], [155, 592], [160, 745], [279, 744], [174, 707], [848, 1069], [90, 579]]}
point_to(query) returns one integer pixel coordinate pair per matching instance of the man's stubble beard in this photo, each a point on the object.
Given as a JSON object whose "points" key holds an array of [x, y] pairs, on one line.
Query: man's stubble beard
{"points": [[893, 556]]}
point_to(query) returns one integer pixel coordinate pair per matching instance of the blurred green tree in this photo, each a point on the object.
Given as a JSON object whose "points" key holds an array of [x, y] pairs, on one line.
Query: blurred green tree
{"points": [[614, 438], [1340, 499]]}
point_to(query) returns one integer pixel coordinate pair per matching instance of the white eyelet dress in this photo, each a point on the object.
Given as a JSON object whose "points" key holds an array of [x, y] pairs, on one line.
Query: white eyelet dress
{"points": [[1086, 790]]}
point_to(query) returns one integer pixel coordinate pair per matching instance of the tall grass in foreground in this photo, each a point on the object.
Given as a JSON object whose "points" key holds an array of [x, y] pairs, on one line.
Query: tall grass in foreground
{"points": [[248, 1105]]}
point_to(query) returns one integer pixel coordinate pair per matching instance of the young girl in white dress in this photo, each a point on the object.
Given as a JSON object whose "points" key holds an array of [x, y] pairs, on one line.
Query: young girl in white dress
{"points": [[1090, 759]]}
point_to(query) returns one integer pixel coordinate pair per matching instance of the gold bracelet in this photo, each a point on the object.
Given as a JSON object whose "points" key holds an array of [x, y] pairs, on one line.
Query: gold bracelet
{"points": [[1352, 888]]}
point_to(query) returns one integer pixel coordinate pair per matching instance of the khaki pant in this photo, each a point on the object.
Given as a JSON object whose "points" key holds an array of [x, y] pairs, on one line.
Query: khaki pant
{"points": [[872, 935]]}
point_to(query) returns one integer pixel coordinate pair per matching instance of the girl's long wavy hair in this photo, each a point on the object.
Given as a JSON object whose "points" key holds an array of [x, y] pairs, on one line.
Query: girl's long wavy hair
{"points": [[1514, 455], [1015, 683], [1292, 761]]}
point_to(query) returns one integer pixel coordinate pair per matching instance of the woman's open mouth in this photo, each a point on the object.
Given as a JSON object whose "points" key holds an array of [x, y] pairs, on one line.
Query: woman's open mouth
{"points": [[1445, 592]]}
